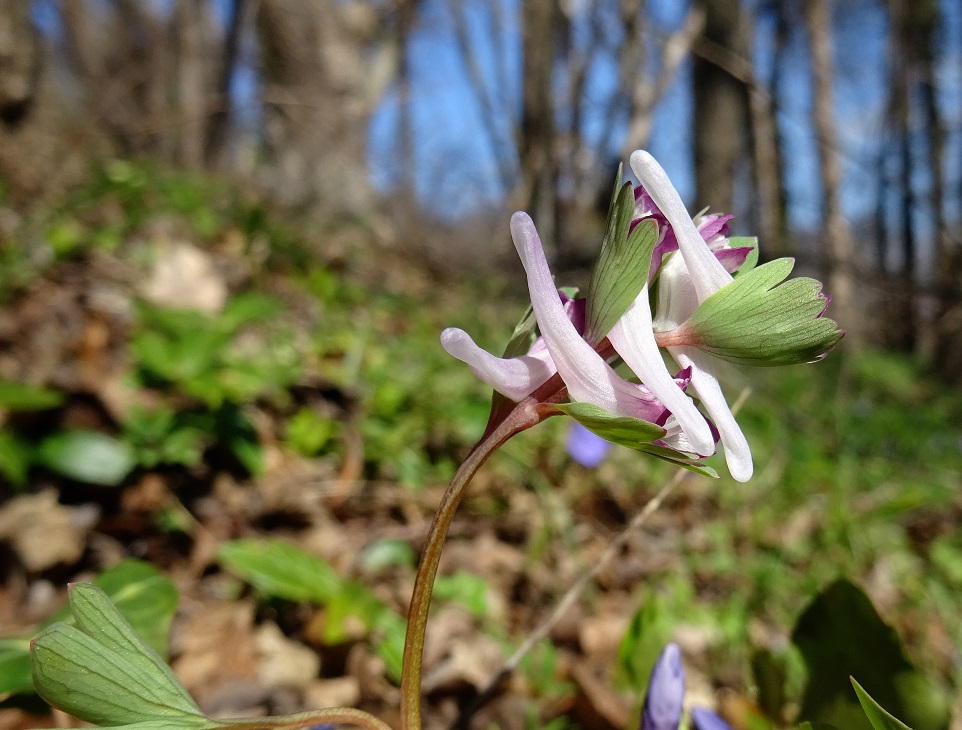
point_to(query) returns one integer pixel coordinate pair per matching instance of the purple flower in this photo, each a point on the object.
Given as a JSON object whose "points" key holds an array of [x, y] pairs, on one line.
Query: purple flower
{"points": [[586, 447], [665, 698], [588, 377]]}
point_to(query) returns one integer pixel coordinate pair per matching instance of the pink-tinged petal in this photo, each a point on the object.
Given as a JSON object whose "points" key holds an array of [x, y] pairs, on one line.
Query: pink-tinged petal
{"points": [[732, 258], [514, 377], [588, 377], [738, 454], [710, 226], [707, 273], [633, 339]]}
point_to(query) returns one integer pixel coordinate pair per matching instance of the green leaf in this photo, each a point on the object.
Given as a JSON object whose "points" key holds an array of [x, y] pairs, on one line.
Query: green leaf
{"points": [[647, 634], [15, 455], [622, 430], [144, 596], [388, 553], [816, 726], [621, 270], [757, 320], [880, 719], [282, 570], [465, 588], [841, 635], [20, 397], [14, 667], [102, 672], [632, 432], [87, 456]]}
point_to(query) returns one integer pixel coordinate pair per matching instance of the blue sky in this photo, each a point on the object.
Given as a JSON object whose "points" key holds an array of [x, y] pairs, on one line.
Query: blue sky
{"points": [[455, 170]]}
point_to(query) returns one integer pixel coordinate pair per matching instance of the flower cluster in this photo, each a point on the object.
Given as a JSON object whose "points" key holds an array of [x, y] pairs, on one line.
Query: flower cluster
{"points": [[663, 282]]}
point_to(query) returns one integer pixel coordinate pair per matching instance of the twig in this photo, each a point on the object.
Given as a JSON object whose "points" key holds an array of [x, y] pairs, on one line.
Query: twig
{"points": [[574, 593]]}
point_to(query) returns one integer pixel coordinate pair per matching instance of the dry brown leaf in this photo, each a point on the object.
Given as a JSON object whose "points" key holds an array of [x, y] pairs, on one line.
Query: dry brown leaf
{"points": [[43, 532], [282, 662], [214, 645]]}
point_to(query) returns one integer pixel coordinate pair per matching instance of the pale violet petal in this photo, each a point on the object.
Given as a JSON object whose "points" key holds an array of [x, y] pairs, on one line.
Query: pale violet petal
{"points": [[633, 339], [738, 454], [707, 274], [515, 377], [588, 377]]}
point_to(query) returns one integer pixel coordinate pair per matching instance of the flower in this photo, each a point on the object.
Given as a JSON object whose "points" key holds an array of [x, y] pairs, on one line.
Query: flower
{"points": [[686, 281], [586, 374], [586, 447], [664, 700], [702, 313], [665, 697]]}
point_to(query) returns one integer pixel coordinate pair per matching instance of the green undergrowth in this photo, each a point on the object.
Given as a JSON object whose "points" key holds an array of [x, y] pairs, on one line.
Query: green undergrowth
{"points": [[857, 457]]}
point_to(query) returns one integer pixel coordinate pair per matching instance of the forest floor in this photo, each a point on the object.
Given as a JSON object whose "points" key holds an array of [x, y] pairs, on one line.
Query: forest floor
{"points": [[276, 452]]}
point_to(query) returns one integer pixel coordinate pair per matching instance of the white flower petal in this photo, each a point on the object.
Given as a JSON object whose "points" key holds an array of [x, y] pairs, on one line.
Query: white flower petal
{"points": [[708, 275], [515, 377], [633, 339], [588, 377], [738, 454]]}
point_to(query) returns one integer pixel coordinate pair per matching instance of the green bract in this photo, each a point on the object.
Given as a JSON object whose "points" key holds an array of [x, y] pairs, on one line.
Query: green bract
{"points": [[758, 320], [621, 270], [631, 432]]}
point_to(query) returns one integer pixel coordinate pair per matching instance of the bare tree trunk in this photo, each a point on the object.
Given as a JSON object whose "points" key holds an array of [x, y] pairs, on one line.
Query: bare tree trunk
{"points": [[536, 148], [772, 203], [322, 76], [839, 247], [20, 61], [721, 100], [192, 94], [220, 109]]}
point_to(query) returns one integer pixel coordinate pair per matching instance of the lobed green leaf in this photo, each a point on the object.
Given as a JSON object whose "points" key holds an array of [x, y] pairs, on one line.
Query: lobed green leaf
{"points": [[757, 320], [102, 672]]}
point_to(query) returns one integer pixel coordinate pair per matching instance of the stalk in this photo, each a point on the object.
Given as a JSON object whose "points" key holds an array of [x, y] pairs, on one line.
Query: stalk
{"points": [[526, 414]]}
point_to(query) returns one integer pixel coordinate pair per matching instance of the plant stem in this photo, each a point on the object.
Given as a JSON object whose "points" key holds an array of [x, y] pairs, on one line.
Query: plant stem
{"points": [[334, 715], [525, 415]]}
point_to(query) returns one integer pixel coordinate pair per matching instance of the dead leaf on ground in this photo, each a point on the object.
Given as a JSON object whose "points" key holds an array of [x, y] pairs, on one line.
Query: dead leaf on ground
{"points": [[43, 532], [214, 645]]}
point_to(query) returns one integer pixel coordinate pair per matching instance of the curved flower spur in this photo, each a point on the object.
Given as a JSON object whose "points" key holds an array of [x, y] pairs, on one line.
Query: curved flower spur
{"points": [[702, 312]]}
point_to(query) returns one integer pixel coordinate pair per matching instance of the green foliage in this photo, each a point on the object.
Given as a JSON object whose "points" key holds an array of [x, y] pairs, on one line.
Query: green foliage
{"points": [[280, 570], [308, 433], [647, 634], [164, 436], [87, 456], [141, 594], [840, 635], [18, 397], [202, 357], [465, 588]]}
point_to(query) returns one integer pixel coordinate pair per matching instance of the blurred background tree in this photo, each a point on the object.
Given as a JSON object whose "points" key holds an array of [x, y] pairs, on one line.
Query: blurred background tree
{"points": [[833, 128]]}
